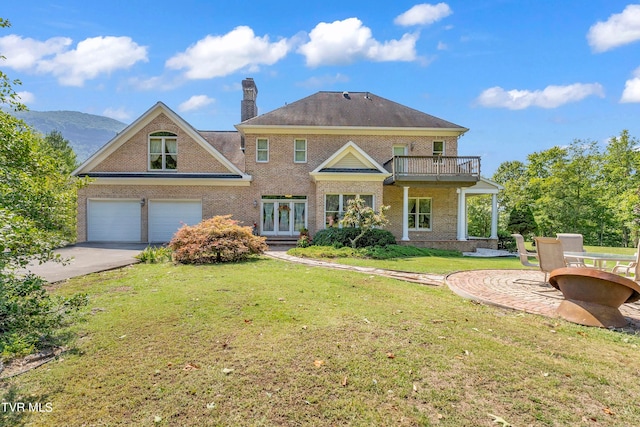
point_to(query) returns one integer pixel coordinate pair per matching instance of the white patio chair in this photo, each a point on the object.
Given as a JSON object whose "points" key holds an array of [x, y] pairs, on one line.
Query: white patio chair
{"points": [[523, 253], [630, 269], [572, 242], [550, 254]]}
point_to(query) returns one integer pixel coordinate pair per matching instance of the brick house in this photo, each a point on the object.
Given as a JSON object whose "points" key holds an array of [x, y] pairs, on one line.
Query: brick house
{"points": [[292, 168]]}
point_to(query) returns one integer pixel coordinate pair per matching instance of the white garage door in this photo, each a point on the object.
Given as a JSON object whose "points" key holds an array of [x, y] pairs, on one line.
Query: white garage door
{"points": [[113, 220], [167, 216]]}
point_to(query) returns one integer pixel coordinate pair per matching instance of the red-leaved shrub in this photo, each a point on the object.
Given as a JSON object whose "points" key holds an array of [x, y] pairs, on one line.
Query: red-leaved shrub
{"points": [[219, 239]]}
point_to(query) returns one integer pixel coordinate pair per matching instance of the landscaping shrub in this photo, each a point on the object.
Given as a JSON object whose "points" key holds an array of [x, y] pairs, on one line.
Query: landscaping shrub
{"points": [[506, 241], [218, 239], [30, 319], [338, 237], [403, 251], [155, 254]]}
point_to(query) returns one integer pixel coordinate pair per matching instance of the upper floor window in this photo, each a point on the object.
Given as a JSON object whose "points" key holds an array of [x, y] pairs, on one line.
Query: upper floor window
{"points": [[438, 148], [420, 213], [262, 150], [163, 151], [300, 150]]}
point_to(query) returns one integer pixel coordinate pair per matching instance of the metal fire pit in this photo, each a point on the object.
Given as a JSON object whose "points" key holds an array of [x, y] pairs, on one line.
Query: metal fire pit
{"points": [[593, 297]]}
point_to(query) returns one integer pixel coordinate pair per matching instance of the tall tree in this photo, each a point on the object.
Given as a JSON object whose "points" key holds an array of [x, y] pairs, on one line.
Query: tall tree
{"points": [[620, 184], [37, 213], [61, 148]]}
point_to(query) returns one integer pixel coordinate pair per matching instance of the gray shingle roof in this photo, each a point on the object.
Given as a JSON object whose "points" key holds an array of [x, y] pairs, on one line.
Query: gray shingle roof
{"points": [[352, 109]]}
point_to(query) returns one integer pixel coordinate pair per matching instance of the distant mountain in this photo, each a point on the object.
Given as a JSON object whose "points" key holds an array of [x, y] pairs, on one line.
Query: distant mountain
{"points": [[86, 133]]}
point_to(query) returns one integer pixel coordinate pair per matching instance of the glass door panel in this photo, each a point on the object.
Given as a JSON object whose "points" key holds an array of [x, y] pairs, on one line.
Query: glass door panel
{"points": [[268, 223], [299, 216], [283, 217], [284, 223]]}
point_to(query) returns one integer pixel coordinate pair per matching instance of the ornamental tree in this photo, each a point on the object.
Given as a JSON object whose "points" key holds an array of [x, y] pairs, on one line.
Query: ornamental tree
{"points": [[363, 217]]}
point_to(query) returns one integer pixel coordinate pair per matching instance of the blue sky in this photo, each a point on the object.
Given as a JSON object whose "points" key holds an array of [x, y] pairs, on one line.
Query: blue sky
{"points": [[522, 75]]}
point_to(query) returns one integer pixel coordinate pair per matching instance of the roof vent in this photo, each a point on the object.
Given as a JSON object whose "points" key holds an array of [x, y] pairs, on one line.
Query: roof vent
{"points": [[346, 95], [366, 95]]}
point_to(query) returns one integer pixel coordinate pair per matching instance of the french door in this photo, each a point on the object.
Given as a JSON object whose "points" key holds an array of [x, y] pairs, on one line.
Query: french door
{"points": [[283, 217]]}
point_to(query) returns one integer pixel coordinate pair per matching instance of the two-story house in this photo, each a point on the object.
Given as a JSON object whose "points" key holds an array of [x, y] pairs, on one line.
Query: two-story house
{"points": [[292, 168]]}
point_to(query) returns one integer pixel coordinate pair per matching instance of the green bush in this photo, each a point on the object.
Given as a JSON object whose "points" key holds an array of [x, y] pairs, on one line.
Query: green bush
{"points": [[506, 241], [402, 251], [339, 237], [155, 255], [30, 318], [215, 240]]}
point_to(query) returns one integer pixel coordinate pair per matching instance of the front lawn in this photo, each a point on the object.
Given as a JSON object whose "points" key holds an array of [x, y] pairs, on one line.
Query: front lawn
{"points": [[271, 343]]}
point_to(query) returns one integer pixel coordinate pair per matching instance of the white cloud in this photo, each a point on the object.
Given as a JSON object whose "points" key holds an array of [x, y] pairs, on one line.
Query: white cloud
{"points": [[620, 29], [550, 97], [92, 56], [118, 114], [343, 42], [217, 56], [423, 14], [196, 102], [442, 46], [26, 97], [23, 54], [631, 91]]}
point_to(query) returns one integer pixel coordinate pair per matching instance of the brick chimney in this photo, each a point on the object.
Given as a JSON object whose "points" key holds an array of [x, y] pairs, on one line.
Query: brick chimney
{"points": [[248, 106]]}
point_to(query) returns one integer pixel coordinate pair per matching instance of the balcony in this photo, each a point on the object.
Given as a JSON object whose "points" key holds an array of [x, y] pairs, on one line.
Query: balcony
{"points": [[433, 170]]}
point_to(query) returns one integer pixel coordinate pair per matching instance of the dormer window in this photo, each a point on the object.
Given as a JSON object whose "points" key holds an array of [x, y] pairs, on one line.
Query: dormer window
{"points": [[163, 151]]}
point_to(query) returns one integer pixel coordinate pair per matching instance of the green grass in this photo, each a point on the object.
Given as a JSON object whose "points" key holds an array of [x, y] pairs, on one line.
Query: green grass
{"points": [[312, 346], [424, 260], [408, 259]]}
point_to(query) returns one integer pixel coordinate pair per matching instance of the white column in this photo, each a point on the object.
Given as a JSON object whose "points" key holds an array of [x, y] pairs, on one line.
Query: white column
{"points": [[494, 216], [405, 214], [462, 214]]}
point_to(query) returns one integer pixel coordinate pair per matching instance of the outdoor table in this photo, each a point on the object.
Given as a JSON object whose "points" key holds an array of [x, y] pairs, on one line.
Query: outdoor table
{"points": [[599, 259]]}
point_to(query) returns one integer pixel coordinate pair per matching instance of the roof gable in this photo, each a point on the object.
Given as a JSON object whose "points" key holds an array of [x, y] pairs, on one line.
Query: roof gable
{"points": [[354, 109], [135, 127], [350, 160]]}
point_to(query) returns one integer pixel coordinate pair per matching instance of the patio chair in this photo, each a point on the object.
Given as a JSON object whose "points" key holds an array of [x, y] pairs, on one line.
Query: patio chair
{"points": [[630, 269], [550, 254], [523, 253], [572, 242]]}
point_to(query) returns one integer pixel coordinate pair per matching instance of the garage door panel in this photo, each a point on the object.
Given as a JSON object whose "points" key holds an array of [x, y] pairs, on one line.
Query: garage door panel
{"points": [[113, 221], [167, 216]]}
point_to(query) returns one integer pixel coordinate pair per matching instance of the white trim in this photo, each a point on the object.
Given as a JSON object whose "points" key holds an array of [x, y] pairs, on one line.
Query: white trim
{"points": [[212, 182], [418, 214], [345, 176], [367, 161], [163, 155], [261, 150], [295, 140]]}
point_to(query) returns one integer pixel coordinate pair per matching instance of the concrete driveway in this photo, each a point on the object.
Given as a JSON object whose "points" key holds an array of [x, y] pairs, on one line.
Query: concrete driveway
{"points": [[86, 258]]}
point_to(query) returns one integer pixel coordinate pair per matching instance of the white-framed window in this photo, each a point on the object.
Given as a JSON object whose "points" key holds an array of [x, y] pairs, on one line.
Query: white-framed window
{"points": [[336, 204], [163, 151], [438, 148], [262, 150], [300, 150], [420, 213]]}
